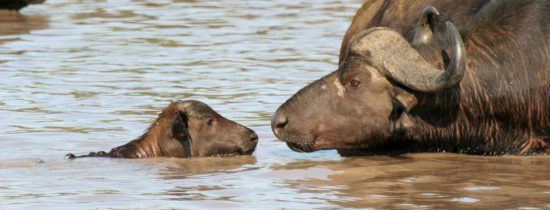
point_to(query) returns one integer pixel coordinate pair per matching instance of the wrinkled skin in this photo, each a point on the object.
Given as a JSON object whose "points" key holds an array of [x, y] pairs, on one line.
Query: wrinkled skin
{"points": [[18, 4], [187, 129], [500, 105]]}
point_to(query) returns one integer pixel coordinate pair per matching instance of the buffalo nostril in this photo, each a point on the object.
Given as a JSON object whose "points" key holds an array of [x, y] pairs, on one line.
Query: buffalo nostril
{"points": [[253, 137], [281, 122]]}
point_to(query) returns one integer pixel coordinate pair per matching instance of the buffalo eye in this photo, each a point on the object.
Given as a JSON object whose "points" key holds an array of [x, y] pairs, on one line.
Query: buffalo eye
{"points": [[355, 83], [210, 122]]}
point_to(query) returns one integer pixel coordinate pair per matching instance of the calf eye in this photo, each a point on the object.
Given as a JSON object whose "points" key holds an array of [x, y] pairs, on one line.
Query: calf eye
{"points": [[210, 122], [355, 83]]}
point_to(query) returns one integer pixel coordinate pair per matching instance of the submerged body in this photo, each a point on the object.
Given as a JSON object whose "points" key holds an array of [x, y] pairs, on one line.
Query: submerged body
{"points": [[187, 129], [495, 99]]}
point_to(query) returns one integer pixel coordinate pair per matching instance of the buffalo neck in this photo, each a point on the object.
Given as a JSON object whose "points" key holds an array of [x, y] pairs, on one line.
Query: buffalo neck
{"points": [[157, 140], [471, 119]]}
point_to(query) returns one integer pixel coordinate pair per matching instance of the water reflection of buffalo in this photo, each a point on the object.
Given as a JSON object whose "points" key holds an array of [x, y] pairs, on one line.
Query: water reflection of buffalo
{"points": [[17, 4], [14, 23], [390, 96], [187, 129]]}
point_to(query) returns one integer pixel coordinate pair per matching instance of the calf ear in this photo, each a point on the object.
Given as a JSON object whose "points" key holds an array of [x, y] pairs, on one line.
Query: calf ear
{"points": [[180, 126]]}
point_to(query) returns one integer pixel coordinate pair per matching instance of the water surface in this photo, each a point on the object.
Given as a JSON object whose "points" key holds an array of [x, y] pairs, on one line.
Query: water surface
{"points": [[81, 76]]}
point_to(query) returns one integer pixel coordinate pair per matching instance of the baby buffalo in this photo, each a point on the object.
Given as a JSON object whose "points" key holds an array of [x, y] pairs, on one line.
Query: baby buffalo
{"points": [[187, 129]]}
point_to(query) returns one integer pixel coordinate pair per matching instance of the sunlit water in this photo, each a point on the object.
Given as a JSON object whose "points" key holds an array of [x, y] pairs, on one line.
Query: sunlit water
{"points": [[81, 76]]}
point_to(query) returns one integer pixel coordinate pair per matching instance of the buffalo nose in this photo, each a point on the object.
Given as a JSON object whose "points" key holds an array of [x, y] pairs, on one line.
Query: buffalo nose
{"points": [[278, 123], [253, 137]]}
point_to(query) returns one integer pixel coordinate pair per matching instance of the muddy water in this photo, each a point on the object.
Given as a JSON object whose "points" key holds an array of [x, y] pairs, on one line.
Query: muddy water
{"points": [[80, 76]]}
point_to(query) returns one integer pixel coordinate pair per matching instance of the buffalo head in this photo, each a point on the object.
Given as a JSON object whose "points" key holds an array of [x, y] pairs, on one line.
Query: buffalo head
{"points": [[367, 100], [207, 133]]}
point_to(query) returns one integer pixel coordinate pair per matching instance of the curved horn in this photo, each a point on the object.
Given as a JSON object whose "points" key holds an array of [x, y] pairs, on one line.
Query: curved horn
{"points": [[403, 63], [425, 26]]}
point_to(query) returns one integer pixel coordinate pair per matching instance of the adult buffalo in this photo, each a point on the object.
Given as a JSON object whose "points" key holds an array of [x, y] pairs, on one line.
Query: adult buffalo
{"points": [[410, 80], [187, 129]]}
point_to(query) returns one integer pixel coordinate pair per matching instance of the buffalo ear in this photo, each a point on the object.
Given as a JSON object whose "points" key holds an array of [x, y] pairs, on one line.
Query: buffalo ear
{"points": [[180, 126], [426, 26], [400, 119], [406, 99]]}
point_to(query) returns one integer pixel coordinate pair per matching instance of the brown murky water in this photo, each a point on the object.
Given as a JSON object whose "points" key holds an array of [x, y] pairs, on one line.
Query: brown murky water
{"points": [[80, 76]]}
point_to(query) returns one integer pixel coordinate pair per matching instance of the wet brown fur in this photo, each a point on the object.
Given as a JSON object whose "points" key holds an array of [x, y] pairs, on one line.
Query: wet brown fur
{"points": [[156, 141], [168, 137]]}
